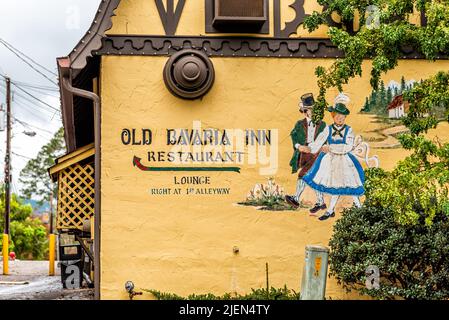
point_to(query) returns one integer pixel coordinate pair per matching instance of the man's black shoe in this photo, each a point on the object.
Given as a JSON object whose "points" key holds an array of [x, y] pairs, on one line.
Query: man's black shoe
{"points": [[318, 207], [291, 201], [326, 216]]}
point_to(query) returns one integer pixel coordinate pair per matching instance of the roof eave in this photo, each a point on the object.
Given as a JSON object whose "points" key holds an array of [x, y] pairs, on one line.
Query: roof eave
{"points": [[92, 40], [66, 103], [76, 61]]}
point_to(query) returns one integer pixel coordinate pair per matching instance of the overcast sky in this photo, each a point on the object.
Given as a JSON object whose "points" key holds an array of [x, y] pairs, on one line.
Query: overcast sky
{"points": [[43, 30]]}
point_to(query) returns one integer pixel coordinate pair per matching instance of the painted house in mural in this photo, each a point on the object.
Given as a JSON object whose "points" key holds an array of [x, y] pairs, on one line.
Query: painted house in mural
{"points": [[398, 108], [175, 111]]}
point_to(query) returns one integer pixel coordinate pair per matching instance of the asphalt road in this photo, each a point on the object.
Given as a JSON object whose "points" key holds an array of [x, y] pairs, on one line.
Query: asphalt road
{"points": [[40, 286]]}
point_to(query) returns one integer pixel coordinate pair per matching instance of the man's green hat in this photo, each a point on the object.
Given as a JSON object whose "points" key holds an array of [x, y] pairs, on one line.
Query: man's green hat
{"points": [[339, 108]]}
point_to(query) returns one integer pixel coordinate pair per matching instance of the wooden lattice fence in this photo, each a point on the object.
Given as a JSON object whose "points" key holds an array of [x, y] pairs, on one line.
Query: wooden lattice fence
{"points": [[76, 191]]}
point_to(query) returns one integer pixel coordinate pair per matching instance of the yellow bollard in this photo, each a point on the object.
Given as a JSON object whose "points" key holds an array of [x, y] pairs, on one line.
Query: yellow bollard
{"points": [[51, 254], [5, 251]]}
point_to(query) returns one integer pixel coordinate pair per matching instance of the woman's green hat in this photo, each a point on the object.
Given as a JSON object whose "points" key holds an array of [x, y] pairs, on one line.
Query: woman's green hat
{"points": [[339, 108]]}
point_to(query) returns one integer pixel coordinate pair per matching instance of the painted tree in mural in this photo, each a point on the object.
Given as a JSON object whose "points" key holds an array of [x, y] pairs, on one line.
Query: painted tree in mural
{"points": [[380, 98], [34, 177], [403, 225]]}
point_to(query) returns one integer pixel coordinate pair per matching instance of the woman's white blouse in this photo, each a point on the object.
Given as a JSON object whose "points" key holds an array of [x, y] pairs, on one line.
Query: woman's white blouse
{"points": [[333, 148]]}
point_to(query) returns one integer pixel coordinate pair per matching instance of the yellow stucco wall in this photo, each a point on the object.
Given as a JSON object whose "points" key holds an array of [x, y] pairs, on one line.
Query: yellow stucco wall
{"points": [[184, 244]]}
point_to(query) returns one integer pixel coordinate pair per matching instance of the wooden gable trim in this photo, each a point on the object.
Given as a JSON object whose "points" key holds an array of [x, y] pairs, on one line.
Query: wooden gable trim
{"points": [[75, 153], [92, 40], [71, 159]]}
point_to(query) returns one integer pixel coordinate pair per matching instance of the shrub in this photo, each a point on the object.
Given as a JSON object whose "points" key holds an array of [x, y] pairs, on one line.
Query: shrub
{"points": [[256, 294], [28, 236], [413, 260], [29, 239]]}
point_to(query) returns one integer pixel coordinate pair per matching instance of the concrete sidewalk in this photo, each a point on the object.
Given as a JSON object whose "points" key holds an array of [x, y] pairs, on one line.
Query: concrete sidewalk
{"points": [[40, 286]]}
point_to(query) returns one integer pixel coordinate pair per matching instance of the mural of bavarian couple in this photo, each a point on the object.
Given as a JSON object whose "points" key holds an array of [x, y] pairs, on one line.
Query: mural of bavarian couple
{"points": [[327, 158], [322, 155]]}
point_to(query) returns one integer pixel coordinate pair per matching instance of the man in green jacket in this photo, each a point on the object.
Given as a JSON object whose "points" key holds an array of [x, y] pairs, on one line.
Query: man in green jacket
{"points": [[304, 133]]}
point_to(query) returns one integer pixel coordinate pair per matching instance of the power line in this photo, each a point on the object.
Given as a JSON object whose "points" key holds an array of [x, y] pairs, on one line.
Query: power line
{"points": [[22, 156], [33, 104], [2, 71], [12, 48], [31, 95], [32, 85], [27, 126], [5, 44], [14, 189], [31, 126], [33, 111], [37, 86], [38, 134], [31, 59], [38, 91], [34, 97]]}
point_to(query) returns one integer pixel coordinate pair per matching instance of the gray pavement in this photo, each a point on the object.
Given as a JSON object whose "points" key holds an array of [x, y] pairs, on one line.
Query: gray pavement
{"points": [[40, 286]]}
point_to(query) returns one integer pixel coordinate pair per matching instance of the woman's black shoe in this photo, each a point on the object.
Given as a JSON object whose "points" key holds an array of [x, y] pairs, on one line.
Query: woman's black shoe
{"points": [[318, 207], [326, 216]]}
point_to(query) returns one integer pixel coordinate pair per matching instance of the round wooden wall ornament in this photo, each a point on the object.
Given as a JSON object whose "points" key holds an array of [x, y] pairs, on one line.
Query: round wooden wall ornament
{"points": [[189, 74]]}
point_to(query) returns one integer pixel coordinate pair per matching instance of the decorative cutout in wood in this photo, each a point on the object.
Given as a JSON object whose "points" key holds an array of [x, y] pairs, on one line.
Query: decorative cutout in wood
{"points": [[292, 26]]}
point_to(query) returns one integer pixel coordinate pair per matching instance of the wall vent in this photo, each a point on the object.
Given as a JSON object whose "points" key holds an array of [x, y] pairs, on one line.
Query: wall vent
{"points": [[237, 16]]}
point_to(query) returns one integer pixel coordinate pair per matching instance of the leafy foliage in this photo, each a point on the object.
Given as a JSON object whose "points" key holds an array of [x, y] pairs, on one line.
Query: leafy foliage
{"points": [[382, 43], [412, 259], [416, 190], [28, 235], [402, 227], [429, 103], [418, 187], [34, 177], [256, 294]]}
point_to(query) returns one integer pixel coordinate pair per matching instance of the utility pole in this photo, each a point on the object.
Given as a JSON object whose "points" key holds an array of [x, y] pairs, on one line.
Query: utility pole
{"points": [[7, 179]]}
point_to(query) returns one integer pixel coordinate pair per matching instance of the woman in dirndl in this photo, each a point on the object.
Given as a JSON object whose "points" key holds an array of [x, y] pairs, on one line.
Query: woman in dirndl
{"points": [[336, 171]]}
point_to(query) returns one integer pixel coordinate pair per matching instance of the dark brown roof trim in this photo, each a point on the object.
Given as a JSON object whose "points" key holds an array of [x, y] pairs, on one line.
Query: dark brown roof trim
{"points": [[229, 47], [219, 46], [66, 105]]}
